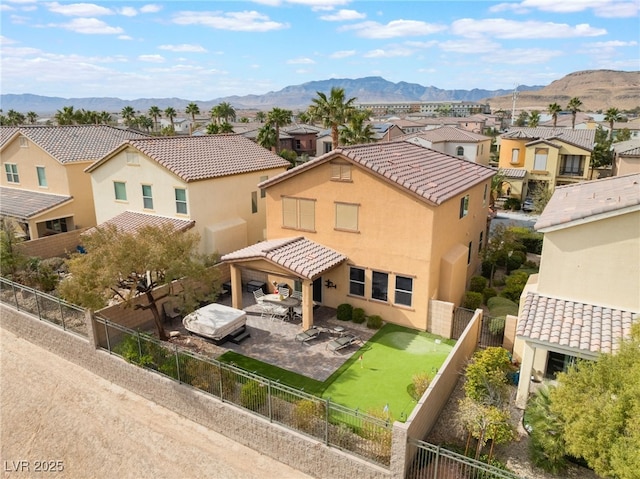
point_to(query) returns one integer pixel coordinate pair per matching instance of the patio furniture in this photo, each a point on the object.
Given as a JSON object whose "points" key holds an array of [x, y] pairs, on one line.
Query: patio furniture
{"points": [[307, 335], [297, 310], [258, 294], [286, 303], [342, 342], [170, 312], [279, 312]]}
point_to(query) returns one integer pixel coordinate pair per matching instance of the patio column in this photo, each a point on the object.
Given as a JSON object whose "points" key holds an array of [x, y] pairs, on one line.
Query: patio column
{"points": [[307, 304], [236, 286], [528, 354]]}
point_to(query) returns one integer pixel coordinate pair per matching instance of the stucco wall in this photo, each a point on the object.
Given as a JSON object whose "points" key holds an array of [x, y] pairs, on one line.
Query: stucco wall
{"points": [[53, 246]]}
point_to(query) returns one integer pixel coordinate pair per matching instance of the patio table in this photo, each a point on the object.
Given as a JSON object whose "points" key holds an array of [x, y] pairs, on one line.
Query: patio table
{"points": [[288, 302]]}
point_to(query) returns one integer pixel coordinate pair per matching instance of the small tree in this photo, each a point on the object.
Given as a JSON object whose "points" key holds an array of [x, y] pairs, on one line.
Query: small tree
{"points": [[486, 376], [11, 257]]}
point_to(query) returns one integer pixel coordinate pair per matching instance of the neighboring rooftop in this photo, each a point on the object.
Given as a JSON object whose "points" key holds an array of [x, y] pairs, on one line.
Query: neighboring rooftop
{"points": [[433, 176], [131, 221], [513, 172], [579, 327], [72, 143], [445, 133], [590, 200], [195, 158], [23, 204], [582, 138]]}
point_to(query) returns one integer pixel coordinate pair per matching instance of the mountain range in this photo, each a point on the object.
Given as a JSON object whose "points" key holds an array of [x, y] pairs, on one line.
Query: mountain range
{"points": [[597, 89]]}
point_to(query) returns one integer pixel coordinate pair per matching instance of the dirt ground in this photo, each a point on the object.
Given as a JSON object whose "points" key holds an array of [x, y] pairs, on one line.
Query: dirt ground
{"points": [[55, 415]]}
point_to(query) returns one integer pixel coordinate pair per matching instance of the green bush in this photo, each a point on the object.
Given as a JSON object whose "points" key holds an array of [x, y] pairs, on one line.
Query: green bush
{"points": [[488, 293], [486, 376], [420, 383], [478, 284], [499, 306], [486, 268], [514, 284], [512, 204], [531, 240], [253, 395], [358, 316], [307, 414], [496, 325], [515, 260], [472, 300], [374, 322], [344, 312]]}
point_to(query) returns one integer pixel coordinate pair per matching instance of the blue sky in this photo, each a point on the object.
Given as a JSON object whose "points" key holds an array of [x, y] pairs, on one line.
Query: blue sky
{"points": [[209, 49]]}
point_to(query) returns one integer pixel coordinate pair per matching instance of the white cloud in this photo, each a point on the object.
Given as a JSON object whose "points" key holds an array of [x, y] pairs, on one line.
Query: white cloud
{"points": [[343, 15], [183, 47], [342, 54], [422, 45], [388, 53], [522, 56], [128, 11], [247, 21], [90, 26], [395, 28], [6, 41], [319, 3], [510, 29], [300, 61], [79, 9], [5, 8], [303, 71], [150, 8], [612, 43], [477, 45], [124, 37], [151, 58], [600, 8]]}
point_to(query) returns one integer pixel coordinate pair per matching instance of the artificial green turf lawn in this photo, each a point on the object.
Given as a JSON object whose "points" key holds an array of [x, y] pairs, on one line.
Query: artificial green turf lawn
{"points": [[390, 359]]}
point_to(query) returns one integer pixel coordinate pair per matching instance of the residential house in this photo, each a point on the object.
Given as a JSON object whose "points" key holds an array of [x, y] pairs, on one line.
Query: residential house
{"points": [[286, 140], [180, 125], [211, 180], [455, 142], [551, 157], [304, 138], [44, 186], [585, 296], [386, 227], [583, 121], [632, 126], [626, 157], [386, 131]]}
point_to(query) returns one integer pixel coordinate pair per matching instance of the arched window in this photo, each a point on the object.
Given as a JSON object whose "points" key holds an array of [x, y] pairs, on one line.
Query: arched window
{"points": [[460, 151]]}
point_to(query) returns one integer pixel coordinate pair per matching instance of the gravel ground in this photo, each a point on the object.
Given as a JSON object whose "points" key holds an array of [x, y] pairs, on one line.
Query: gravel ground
{"points": [[56, 415]]}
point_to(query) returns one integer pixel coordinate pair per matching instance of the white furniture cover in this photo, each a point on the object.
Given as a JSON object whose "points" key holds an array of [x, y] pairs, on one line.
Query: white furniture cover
{"points": [[215, 321]]}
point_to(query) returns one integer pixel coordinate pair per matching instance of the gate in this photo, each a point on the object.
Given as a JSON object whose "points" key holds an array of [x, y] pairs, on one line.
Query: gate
{"points": [[461, 318]]}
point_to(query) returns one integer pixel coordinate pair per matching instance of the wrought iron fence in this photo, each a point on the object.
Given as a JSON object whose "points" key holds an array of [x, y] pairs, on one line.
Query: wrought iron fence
{"points": [[434, 462], [360, 434], [44, 306], [461, 318]]}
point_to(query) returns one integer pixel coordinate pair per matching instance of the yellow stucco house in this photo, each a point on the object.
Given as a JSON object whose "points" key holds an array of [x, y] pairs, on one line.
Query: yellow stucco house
{"points": [[208, 182], [587, 292], [550, 157], [386, 227], [44, 186]]}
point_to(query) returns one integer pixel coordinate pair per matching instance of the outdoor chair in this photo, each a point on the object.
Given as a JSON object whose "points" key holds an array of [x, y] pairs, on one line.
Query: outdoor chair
{"points": [[258, 294], [279, 312], [307, 335], [297, 310], [266, 309], [170, 312], [342, 342]]}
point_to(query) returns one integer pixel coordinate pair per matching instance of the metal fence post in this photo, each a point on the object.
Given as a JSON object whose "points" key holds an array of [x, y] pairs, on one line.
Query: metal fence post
{"points": [[220, 377], [269, 396], [139, 348], [435, 476], [326, 421], [106, 333], [177, 362], [61, 310], [38, 305], [15, 295]]}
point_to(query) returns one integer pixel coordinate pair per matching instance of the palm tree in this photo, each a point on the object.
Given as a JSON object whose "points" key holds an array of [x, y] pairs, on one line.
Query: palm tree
{"points": [[261, 116], [534, 119], [553, 110], [15, 118], [278, 117], [32, 116], [574, 107], [267, 137], [66, 116], [333, 111], [128, 113], [171, 114], [144, 122], [357, 132], [612, 115], [213, 129], [194, 110], [155, 113], [226, 111], [104, 117], [226, 127]]}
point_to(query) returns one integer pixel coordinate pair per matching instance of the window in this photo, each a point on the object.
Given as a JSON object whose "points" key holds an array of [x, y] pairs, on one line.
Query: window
{"points": [[298, 213], [24, 142], [263, 192], [59, 225], [469, 252], [571, 165], [147, 197], [340, 172], [328, 146], [347, 216], [460, 151], [379, 286], [464, 206], [356, 281], [298, 145], [181, 201], [120, 190], [42, 177], [11, 169], [484, 195], [540, 160], [480, 242], [132, 158], [515, 154], [254, 202], [404, 290]]}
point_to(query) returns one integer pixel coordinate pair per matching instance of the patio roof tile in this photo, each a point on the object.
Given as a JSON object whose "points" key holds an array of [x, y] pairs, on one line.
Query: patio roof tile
{"points": [[131, 221]]}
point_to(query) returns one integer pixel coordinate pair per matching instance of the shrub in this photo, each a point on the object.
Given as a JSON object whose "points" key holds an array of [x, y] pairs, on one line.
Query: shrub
{"points": [[420, 383], [472, 300], [478, 284], [358, 316], [253, 395], [487, 266], [514, 284], [307, 414], [516, 260], [499, 306], [374, 322], [344, 312], [531, 240], [512, 204], [488, 293], [496, 325], [486, 376]]}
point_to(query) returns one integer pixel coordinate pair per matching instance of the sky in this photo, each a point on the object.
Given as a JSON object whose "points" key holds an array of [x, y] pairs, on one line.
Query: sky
{"points": [[203, 50]]}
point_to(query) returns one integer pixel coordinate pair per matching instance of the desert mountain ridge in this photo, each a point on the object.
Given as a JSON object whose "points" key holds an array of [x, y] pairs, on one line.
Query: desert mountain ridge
{"points": [[597, 89]]}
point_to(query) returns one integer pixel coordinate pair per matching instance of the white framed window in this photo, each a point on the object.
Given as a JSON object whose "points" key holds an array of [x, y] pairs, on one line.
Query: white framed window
{"points": [[460, 151], [403, 290], [356, 281], [340, 171], [120, 190], [540, 159], [42, 176], [515, 156], [464, 206], [181, 200], [347, 216], [11, 169], [380, 286], [298, 213], [147, 197], [133, 158]]}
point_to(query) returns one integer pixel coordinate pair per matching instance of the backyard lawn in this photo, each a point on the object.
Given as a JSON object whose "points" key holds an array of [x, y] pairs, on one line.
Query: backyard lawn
{"points": [[383, 377]]}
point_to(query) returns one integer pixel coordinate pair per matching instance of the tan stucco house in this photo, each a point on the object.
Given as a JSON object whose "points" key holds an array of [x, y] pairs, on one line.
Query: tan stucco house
{"points": [[44, 186], [626, 157], [210, 180], [587, 292], [386, 227]]}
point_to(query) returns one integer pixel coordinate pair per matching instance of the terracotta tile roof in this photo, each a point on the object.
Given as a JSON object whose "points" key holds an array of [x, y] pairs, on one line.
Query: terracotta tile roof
{"points": [[445, 133], [590, 200], [23, 204], [581, 138], [514, 172], [131, 221], [195, 158], [6, 133], [627, 148], [78, 142], [433, 176], [578, 326], [300, 129], [304, 258]]}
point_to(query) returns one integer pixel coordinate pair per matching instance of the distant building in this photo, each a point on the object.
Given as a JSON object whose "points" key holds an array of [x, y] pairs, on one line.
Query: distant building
{"points": [[434, 108]]}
